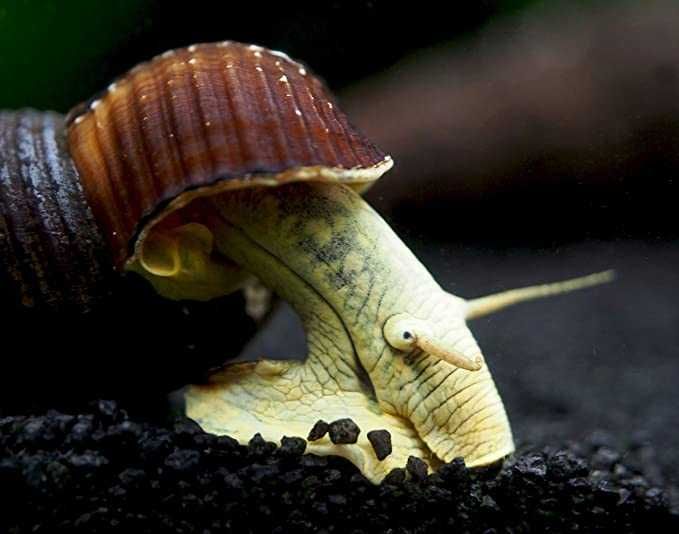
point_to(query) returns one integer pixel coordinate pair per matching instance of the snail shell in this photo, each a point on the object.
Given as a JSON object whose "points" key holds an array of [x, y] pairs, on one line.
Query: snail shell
{"points": [[52, 251], [204, 119]]}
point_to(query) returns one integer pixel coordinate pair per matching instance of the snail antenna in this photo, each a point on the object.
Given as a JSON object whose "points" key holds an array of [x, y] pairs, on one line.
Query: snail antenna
{"points": [[481, 306]]}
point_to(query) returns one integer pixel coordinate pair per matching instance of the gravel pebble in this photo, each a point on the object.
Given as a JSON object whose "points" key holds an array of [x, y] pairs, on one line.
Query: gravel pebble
{"points": [[395, 476], [292, 446], [319, 430], [416, 468], [381, 442], [343, 431]]}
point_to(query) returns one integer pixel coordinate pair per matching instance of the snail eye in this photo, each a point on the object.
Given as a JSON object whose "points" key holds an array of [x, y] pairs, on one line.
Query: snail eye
{"points": [[400, 332]]}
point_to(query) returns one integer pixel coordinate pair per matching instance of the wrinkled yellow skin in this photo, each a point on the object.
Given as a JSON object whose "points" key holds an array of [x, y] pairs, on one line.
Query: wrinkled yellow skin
{"points": [[352, 281], [324, 250]]}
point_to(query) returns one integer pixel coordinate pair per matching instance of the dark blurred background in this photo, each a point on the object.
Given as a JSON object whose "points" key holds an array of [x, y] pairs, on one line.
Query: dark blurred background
{"points": [[57, 53], [533, 141]]}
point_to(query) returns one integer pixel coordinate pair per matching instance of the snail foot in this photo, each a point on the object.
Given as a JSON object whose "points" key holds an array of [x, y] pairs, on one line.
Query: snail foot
{"points": [[277, 399]]}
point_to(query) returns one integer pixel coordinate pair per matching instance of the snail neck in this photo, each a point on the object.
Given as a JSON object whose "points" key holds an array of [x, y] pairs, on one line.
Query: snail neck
{"points": [[323, 249], [261, 232]]}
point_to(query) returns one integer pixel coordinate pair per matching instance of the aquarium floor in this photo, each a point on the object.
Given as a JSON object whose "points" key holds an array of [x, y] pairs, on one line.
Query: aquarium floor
{"points": [[101, 471]]}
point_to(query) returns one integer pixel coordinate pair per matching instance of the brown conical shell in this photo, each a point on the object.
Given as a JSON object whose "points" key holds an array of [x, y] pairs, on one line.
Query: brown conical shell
{"points": [[203, 119]]}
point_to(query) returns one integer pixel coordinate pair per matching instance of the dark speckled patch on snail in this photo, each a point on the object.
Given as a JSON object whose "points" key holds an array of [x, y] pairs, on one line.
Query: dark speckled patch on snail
{"points": [[223, 112]]}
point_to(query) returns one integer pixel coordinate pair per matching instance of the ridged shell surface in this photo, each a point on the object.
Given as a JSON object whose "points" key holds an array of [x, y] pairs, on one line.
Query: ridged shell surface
{"points": [[223, 114], [53, 255]]}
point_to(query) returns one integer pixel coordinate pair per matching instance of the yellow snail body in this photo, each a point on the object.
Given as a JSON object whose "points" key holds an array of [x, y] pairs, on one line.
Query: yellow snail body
{"points": [[219, 161]]}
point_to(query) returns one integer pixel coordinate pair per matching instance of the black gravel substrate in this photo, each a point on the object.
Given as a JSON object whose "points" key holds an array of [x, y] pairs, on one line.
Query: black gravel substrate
{"points": [[102, 471]]}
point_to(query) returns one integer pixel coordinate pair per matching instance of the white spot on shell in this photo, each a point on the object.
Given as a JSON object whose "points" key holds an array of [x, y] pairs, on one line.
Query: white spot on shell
{"points": [[283, 79], [94, 104], [115, 233], [112, 87], [224, 44], [169, 82], [281, 55], [192, 61], [278, 63], [302, 71], [229, 65], [167, 54], [193, 48], [143, 97], [256, 48], [258, 54], [172, 135], [258, 68], [327, 130], [298, 113], [79, 119], [330, 105], [208, 123]]}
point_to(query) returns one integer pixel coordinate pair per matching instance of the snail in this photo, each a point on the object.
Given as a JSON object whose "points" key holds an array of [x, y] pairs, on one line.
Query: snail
{"points": [[216, 162]]}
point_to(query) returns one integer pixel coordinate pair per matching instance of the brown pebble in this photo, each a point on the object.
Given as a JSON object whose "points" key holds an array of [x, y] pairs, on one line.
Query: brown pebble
{"points": [[416, 468], [344, 431], [381, 442], [319, 430]]}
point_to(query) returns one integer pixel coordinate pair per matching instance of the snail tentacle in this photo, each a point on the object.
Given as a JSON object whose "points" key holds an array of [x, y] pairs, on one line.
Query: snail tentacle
{"points": [[449, 354], [481, 306]]}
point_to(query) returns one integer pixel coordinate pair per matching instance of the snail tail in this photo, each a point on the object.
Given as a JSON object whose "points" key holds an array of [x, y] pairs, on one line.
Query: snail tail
{"points": [[489, 304]]}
